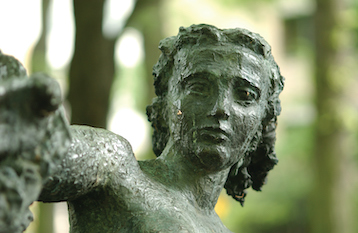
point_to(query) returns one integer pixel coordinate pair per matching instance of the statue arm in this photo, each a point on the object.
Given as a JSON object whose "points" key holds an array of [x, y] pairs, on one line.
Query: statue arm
{"points": [[97, 158]]}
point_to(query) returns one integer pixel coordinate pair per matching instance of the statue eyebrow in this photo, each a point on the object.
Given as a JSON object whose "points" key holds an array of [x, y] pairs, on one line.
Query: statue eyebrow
{"points": [[203, 75], [239, 80], [251, 78]]}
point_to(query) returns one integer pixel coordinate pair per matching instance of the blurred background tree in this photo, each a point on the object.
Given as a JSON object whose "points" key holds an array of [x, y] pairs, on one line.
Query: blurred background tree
{"points": [[40, 64], [314, 41], [330, 205], [147, 19], [92, 67]]}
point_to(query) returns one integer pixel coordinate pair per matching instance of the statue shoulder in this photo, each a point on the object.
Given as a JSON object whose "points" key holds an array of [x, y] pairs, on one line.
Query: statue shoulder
{"points": [[96, 159], [101, 138], [109, 156], [102, 143]]}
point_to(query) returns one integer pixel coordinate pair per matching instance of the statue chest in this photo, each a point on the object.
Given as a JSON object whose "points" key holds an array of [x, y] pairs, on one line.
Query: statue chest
{"points": [[140, 209]]}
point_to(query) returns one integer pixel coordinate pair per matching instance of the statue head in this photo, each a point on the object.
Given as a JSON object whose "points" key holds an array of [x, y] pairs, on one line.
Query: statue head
{"points": [[219, 86]]}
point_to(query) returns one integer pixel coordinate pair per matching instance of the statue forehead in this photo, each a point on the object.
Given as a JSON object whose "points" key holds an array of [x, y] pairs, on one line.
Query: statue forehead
{"points": [[230, 57]]}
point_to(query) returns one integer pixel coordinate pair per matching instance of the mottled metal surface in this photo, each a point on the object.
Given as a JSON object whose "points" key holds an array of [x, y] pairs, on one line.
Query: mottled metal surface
{"points": [[214, 124], [33, 140], [108, 191]]}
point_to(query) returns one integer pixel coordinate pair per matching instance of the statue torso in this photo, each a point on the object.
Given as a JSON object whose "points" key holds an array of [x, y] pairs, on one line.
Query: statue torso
{"points": [[139, 205]]}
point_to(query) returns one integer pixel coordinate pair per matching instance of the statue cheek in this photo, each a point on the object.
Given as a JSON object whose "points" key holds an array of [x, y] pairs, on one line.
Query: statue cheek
{"points": [[176, 122], [245, 125], [177, 104]]}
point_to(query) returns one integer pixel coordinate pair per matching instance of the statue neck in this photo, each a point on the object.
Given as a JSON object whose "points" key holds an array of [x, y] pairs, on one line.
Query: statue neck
{"points": [[200, 187]]}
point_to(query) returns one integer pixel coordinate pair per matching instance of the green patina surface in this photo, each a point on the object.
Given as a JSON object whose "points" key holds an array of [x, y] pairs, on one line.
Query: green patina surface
{"points": [[214, 121]]}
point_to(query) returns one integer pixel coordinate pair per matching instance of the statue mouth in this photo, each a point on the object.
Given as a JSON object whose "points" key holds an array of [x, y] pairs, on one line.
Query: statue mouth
{"points": [[213, 135]]}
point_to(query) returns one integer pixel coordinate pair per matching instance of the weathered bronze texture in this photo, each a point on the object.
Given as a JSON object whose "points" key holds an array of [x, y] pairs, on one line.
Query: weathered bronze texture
{"points": [[214, 121], [34, 140]]}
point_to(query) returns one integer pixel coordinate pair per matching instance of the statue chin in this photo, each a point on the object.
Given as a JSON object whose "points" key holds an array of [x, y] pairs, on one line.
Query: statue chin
{"points": [[213, 158]]}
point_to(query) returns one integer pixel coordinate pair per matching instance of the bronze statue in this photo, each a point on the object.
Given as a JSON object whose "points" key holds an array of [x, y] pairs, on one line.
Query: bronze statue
{"points": [[214, 121], [34, 138]]}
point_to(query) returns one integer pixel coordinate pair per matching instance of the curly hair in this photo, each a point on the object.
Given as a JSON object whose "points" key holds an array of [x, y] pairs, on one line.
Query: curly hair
{"points": [[260, 158]]}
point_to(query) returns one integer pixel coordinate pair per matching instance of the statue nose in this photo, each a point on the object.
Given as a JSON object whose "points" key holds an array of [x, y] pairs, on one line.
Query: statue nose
{"points": [[221, 108]]}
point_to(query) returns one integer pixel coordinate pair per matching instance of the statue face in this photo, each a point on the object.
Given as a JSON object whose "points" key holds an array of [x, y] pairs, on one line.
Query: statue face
{"points": [[216, 103]]}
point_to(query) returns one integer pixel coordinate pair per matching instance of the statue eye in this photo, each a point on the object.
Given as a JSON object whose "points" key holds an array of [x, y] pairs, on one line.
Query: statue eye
{"points": [[245, 95], [244, 92]]}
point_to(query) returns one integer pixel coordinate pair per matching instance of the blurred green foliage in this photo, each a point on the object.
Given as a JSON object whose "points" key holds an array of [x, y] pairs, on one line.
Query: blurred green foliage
{"points": [[241, 3], [282, 204]]}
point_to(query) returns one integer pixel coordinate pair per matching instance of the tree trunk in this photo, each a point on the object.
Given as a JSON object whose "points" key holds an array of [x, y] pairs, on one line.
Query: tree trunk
{"points": [[146, 18], [330, 133], [92, 67], [38, 60], [39, 64]]}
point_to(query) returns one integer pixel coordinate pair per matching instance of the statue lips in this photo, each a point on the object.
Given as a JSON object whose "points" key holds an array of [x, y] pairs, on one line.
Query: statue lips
{"points": [[213, 134]]}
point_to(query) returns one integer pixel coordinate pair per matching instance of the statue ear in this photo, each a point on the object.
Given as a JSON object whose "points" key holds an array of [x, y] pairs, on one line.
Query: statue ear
{"points": [[156, 113]]}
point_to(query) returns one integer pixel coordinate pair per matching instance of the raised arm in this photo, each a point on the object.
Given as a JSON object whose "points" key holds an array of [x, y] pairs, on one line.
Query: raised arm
{"points": [[40, 151], [97, 158]]}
